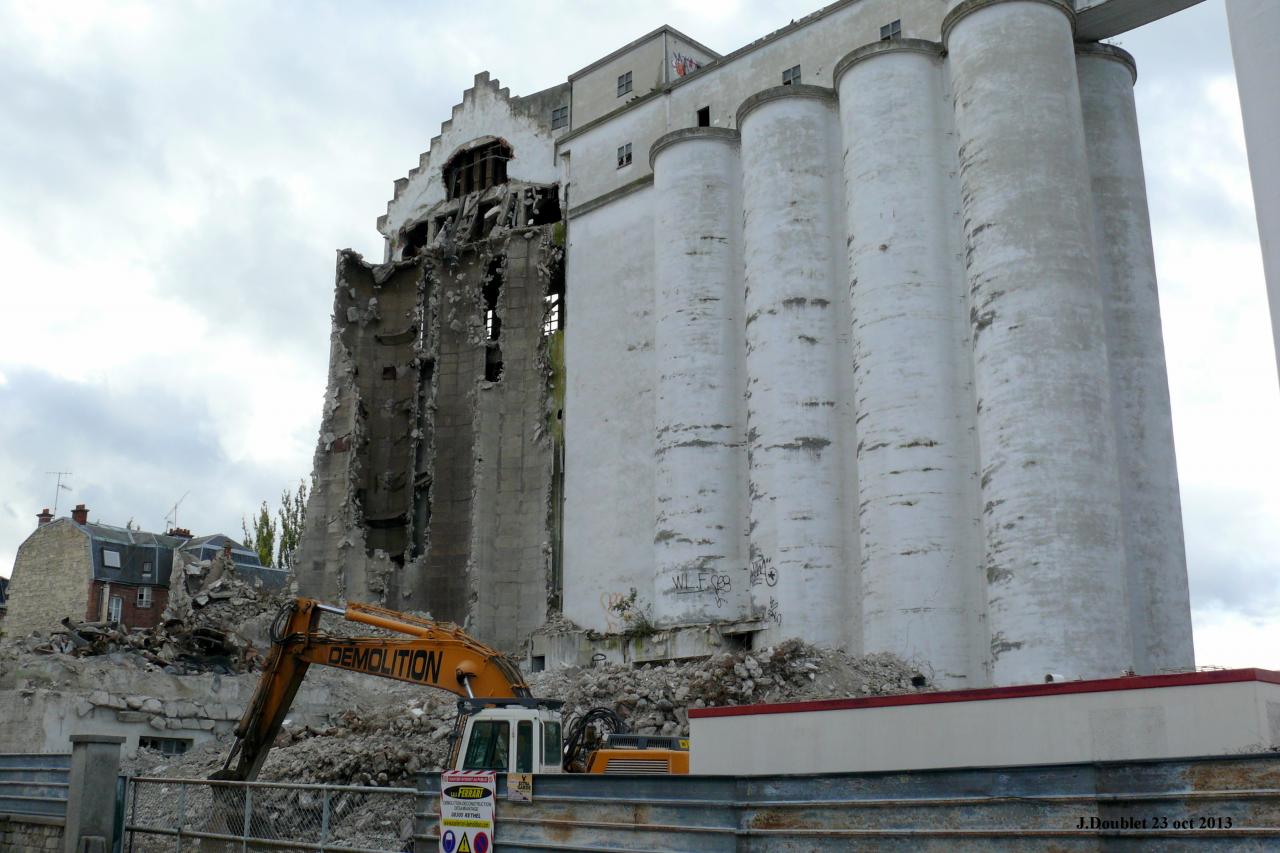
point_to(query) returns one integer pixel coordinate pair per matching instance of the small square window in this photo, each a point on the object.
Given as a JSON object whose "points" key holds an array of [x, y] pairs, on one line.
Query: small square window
{"points": [[144, 597], [891, 31], [551, 318], [165, 745], [624, 155], [624, 84], [110, 558], [704, 117], [559, 117], [791, 75]]}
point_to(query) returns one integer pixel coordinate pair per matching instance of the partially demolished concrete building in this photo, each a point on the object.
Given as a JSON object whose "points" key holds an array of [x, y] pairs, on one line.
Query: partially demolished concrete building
{"points": [[850, 335]]}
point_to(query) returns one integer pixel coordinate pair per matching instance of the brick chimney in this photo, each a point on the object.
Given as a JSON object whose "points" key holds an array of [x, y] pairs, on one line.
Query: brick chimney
{"points": [[179, 532], [80, 514], [44, 517]]}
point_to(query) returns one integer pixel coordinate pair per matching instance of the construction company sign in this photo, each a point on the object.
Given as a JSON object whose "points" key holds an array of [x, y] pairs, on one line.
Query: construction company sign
{"points": [[466, 811]]}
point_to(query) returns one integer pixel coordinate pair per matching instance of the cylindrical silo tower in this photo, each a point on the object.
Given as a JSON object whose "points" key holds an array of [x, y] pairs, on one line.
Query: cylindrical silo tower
{"points": [[922, 582], [1052, 515], [1159, 606], [699, 482], [792, 227]]}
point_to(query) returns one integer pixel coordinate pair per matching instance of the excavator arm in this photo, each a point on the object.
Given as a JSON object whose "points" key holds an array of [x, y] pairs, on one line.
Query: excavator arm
{"points": [[433, 655]]}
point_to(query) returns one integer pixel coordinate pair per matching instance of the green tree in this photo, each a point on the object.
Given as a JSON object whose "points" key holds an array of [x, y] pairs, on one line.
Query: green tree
{"points": [[263, 536], [292, 515]]}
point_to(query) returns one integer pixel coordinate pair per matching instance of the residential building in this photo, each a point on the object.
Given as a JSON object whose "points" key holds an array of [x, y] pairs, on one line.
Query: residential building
{"points": [[72, 567]]}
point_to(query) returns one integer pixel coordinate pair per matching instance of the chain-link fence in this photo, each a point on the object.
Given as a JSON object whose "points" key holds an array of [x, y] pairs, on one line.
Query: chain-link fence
{"points": [[188, 815]]}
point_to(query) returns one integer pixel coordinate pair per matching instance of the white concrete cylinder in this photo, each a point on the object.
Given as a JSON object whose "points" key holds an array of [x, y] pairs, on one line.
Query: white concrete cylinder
{"points": [[1255, 34], [918, 501], [1159, 605], [699, 443], [1055, 558], [791, 226]]}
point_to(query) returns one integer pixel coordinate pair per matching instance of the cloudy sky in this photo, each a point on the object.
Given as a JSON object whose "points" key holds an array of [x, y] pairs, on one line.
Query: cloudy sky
{"points": [[175, 178]]}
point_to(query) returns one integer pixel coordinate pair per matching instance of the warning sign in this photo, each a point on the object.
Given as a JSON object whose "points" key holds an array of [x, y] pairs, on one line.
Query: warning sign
{"points": [[466, 811], [520, 787]]}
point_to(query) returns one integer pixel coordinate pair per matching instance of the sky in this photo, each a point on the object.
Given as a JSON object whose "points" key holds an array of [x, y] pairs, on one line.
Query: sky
{"points": [[176, 177]]}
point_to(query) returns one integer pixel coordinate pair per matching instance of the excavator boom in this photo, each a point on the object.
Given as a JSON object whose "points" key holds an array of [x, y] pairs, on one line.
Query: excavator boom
{"points": [[433, 654]]}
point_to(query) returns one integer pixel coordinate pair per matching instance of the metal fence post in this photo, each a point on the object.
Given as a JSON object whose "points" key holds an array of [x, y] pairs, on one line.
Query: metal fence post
{"points": [[248, 816], [133, 818], [324, 818], [182, 811]]}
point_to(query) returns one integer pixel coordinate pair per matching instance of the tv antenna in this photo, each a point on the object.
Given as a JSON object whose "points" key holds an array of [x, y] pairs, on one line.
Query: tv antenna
{"points": [[57, 491], [171, 519]]}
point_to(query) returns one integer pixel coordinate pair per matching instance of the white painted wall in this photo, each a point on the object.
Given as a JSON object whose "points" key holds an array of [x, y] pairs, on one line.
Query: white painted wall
{"points": [[700, 501], [1167, 722], [609, 414], [917, 489], [815, 45], [594, 152], [486, 112], [1255, 44], [1159, 603], [793, 228], [1055, 558], [595, 93]]}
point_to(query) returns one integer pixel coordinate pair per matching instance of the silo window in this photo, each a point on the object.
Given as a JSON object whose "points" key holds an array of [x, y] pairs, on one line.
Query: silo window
{"points": [[624, 155], [704, 117], [891, 31], [551, 316], [476, 169], [791, 75], [559, 117], [624, 84]]}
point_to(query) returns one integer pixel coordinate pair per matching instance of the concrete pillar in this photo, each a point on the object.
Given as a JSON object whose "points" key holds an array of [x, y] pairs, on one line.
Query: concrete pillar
{"points": [[699, 440], [91, 797], [791, 229], [1255, 36], [1159, 605], [917, 490], [1051, 500]]}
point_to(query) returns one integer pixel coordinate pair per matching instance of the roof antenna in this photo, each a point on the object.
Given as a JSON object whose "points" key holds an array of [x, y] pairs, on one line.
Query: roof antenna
{"points": [[171, 518], [57, 492]]}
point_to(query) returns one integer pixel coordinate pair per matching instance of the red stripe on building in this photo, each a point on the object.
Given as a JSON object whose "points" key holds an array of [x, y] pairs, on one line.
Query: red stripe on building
{"points": [[1022, 691]]}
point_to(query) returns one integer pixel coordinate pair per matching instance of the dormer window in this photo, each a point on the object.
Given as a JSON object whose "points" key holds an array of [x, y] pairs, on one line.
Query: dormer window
{"points": [[110, 558]]}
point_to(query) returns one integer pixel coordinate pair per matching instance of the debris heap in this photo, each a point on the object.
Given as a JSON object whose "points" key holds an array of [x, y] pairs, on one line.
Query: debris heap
{"points": [[214, 622], [410, 731]]}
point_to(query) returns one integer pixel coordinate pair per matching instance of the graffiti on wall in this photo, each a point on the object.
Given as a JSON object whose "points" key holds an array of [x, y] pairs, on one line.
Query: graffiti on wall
{"points": [[763, 572], [703, 581], [773, 613], [683, 65]]}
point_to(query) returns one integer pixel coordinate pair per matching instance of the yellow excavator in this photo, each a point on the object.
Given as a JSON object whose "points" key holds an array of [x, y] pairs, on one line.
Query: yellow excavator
{"points": [[500, 725]]}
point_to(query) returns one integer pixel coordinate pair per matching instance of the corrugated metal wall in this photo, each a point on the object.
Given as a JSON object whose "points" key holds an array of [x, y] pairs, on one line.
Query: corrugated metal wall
{"points": [[1017, 808]]}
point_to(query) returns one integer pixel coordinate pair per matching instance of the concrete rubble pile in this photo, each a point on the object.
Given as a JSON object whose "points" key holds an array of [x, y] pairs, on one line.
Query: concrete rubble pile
{"points": [[173, 646], [214, 622], [410, 730], [656, 699]]}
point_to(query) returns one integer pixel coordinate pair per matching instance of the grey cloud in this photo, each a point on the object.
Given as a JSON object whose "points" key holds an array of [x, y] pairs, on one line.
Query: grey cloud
{"points": [[133, 453]]}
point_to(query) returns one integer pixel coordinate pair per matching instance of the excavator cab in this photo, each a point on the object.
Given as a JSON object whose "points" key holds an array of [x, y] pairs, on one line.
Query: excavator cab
{"points": [[507, 735]]}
